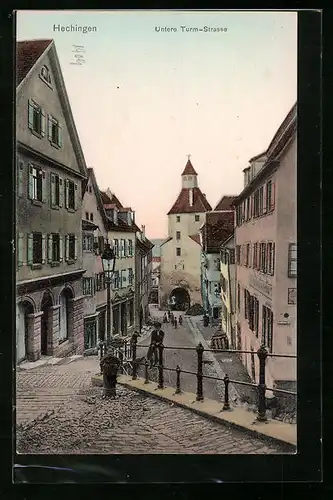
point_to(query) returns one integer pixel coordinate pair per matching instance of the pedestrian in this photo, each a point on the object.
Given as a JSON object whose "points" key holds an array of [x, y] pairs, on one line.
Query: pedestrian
{"points": [[165, 318], [172, 317], [180, 320], [169, 315], [157, 337], [175, 322]]}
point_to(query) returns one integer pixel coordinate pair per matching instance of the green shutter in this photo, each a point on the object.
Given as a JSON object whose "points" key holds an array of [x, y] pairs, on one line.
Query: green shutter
{"points": [[75, 249], [20, 249], [49, 249], [53, 192], [66, 193], [66, 247], [125, 248], [43, 122], [61, 192], [43, 248], [20, 177], [30, 115], [44, 187], [60, 249], [60, 143], [31, 182], [49, 127], [76, 194], [30, 248]]}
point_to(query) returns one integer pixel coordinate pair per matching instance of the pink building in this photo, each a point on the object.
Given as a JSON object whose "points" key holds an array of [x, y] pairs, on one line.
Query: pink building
{"points": [[266, 265]]}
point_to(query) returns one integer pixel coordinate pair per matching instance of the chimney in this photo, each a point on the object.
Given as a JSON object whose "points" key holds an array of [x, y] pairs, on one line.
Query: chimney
{"points": [[190, 195], [143, 230]]}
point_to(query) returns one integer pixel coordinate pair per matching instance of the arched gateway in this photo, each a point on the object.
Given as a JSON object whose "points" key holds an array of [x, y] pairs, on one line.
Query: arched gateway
{"points": [[180, 299]]}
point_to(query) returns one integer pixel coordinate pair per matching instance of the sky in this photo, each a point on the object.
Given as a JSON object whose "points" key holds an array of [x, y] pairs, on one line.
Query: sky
{"points": [[144, 99]]}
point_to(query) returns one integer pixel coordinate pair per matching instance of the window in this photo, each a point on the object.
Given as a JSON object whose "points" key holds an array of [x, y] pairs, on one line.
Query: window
{"points": [[100, 281], [122, 249], [45, 74], [178, 218], [178, 252], [37, 178], [71, 247], [246, 315], [177, 235], [255, 255], [116, 247], [232, 256], [54, 131], [37, 249], [248, 208], [270, 196], [262, 257], [292, 260], [238, 254], [238, 296], [123, 278], [130, 276], [130, 248], [87, 216], [36, 118], [247, 254], [54, 248], [116, 280], [71, 194], [261, 200], [56, 191], [88, 286], [92, 217], [88, 243], [254, 315], [267, 328], [197, 218], [270, 258]]}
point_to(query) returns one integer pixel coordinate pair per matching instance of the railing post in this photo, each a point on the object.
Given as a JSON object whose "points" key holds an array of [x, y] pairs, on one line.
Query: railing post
{"points": [[262, 355], [134, 341], [178, 370], [200, 349], [226, 405], [146, 372], [160, 366]]}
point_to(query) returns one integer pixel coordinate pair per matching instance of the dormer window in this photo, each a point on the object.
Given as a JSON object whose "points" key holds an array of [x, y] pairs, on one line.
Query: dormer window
{"points": [[129, 218], [115, 216], [45, 75]]}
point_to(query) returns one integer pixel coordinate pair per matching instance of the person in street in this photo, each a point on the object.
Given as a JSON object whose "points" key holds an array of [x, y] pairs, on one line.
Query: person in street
{"points": [[180, 320], [165, 318], [175, 322], [157, 337], [169, 315]]}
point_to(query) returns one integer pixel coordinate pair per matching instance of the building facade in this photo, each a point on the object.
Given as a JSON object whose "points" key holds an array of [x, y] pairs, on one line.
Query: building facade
{"points": [[122, 236], [156, 269], [217, 227], [94, 238], [50, 173], [180, 253], [143, 277], [228, 290], [266, 249]]}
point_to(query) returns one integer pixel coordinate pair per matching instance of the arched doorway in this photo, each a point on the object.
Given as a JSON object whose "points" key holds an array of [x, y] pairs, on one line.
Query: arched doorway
{"points": [[180, 299], [66, 308], [22, 329], [46, 325]]}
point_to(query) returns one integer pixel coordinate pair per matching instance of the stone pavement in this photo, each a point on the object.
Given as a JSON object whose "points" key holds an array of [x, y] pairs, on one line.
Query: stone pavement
{"points": [[73, 418]]}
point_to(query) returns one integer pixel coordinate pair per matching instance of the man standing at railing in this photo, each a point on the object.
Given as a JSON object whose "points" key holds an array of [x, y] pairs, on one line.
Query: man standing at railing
{"points": [[157, 337]]}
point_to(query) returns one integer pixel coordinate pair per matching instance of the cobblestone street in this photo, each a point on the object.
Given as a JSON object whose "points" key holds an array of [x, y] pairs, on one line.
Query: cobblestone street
{"points": [[59, 412]]}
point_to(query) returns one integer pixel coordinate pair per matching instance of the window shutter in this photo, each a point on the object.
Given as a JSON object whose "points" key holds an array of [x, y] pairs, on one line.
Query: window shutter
{"points": [[76, 194], [30, 183], [125, 249], [60, 249], [30, 249], [273, 196], [43, 248], [264, 200], [66, 192], [52, 177], [130, 248], [49, 127], [60, 142], [61, 192], [30, 114], [44, 188], [20, 243], [43, 122], [49, 248], [20, 178], [75, 248], [67, 248], [273, 259]]}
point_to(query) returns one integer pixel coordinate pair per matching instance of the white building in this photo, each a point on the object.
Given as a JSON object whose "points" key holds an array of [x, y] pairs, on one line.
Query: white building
{"points": [[180, 252]]}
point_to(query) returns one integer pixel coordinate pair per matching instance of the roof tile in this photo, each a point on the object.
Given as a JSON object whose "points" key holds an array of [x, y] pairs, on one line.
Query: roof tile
{"points": [[27, 54], [182, 204], [218, 226]]}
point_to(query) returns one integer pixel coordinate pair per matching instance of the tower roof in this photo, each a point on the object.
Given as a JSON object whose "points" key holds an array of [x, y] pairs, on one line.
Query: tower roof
{"points": [[182, 204], [189, 170]]}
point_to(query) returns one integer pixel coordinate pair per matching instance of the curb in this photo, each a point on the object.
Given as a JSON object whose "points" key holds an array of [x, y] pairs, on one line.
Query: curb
{"points": [[286, 446]]}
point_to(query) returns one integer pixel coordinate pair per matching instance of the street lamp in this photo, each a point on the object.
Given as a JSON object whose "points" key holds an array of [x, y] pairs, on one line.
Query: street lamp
{"points": [[108, 262]]}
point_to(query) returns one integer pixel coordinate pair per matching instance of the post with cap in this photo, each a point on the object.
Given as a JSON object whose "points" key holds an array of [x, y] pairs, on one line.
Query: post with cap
{"points": [[178, 370], [146, 372], [160, 366], [200, 349], [262, 355], [134, 342], [226, 405]]}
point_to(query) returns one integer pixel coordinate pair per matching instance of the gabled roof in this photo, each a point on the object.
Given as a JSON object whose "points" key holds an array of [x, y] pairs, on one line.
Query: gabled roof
{"points": [[225, 203], [29, 53], [88, 226], [182, 203], [166, 240], [196, 238], [189, 170], [218, 227], [92, 177], [111, 200]]}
